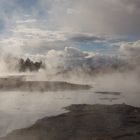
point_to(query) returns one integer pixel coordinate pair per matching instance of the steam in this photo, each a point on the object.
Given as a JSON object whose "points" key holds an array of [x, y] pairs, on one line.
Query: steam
{"points": [[74, 65], [131, 51], [102, 71], [8, 63], [49, 31]]}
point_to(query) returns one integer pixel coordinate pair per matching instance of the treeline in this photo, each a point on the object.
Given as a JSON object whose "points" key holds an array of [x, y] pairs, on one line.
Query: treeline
{"points": [[28, 65]]}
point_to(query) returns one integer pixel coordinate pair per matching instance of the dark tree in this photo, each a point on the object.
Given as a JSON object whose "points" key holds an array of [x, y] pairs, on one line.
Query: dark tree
{"points": [[28, 65]]}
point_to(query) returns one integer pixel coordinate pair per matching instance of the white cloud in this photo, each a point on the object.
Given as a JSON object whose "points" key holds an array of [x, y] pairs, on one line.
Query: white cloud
{"points": [[131, 49], [11, 45], [72, 11], [31, 38], [113, 17], [26, 21], [131, 52], [72, 59]]}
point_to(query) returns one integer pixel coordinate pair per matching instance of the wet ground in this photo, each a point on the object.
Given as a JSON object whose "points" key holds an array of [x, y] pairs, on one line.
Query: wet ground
{"points": [[85, 122], [21, 109]]}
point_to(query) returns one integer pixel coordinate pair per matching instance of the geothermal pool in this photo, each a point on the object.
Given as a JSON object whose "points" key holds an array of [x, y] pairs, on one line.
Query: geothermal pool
{"points": [[22, 109]]}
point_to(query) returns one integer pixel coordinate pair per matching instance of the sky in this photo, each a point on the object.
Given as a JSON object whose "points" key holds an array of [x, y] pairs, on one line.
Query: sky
{"points": [[100, 26]]}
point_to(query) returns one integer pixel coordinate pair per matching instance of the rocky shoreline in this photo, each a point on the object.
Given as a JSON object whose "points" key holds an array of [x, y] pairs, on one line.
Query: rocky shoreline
{"points": [[85, 122]]}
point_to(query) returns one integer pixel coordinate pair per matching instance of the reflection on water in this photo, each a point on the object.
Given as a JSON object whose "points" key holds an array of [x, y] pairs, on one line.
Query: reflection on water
{"points": [[21, 109]]}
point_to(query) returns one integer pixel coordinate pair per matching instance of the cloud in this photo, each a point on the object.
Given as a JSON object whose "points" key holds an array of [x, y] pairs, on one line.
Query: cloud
{"points": [[86, 37], [36, 32], [133, 6], [131, 48], [54, 24], [102, 16], [28, 37], [72, 11], [131, 51], [113, 17], [28, 32], [11, 46], [26, 21], [72, 59], [64, 59]]}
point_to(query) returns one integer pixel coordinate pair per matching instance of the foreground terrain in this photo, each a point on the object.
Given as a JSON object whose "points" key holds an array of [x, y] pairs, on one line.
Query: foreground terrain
{"points": [[85, 122]]}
